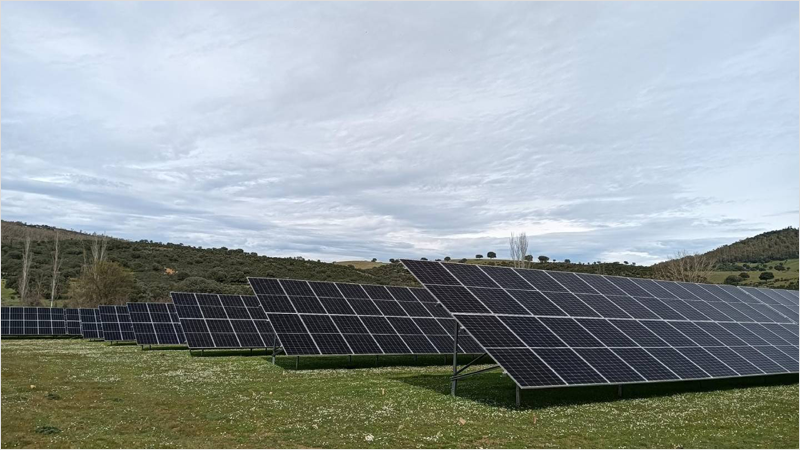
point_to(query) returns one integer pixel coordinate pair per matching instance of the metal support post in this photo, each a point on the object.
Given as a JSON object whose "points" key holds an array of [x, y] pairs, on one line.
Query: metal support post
{"points": [[519, 396], [297, 363], [454, 382], [274, 346], [619, 390]]}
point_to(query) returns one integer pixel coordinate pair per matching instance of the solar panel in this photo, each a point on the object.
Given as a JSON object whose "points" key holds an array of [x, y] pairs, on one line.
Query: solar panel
{"points": [[222, 321], [33, 321], [72, 321], [91, 325], [116, 323], [156, 324], [322, 318], [548, 328]]}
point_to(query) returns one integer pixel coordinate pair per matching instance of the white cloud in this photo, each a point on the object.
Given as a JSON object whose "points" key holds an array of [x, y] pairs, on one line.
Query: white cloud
{"points": [[340, 131]]}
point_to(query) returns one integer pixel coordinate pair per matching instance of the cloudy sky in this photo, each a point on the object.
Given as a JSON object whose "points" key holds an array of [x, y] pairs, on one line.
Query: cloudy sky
{"points": [[347, 131]]}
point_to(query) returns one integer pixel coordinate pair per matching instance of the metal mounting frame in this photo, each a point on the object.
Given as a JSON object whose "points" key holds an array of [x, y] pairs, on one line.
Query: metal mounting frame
{"points": [[458, 373]]}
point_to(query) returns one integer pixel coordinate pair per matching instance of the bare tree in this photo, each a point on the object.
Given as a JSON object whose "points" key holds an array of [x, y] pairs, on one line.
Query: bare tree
{"points": [[99, 244], [57, 260], [518, 246], [24, 279], [692, 268]]}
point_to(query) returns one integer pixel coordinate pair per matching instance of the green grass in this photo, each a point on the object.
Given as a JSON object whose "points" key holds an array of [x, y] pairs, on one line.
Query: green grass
{"points": [[74, 393], [8, 296], [791, 274]]}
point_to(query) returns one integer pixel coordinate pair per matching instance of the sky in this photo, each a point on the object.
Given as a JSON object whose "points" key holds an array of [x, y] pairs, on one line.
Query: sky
{"points": [[605, 131]]}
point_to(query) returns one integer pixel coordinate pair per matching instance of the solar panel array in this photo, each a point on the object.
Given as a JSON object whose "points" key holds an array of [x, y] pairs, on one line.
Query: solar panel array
{"points": [[91, 326], [321, 318], [117, 324], [32, 321], [558, 328], [156, 324], [72, 321], [223, 321]]}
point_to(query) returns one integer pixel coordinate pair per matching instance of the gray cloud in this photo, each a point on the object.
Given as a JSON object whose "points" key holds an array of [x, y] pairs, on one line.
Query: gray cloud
{"points": [[338, 131]]}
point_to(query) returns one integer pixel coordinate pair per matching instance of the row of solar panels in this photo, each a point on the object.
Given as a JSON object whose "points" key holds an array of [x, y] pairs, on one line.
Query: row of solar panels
{"points": [[543, 328], [146, 323], [558, 328]]}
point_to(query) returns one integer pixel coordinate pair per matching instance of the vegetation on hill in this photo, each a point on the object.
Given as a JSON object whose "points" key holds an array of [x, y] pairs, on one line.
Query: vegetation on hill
{"points": [[158, 268], [765, 247]]}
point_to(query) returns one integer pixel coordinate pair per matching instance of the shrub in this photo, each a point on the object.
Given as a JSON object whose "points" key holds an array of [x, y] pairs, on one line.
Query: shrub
{"points": [[744, 275], [732, 279], [766, 276]]}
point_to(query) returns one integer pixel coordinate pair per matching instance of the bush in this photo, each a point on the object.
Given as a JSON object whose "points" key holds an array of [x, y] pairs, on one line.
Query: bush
{"points": [[462, 260], [744, 275], [732, 279], [766, 276]]}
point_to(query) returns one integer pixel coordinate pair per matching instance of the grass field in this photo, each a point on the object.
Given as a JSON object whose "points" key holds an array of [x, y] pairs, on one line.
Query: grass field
{"points": [[74, 393], [791, 274], [362, 265]]}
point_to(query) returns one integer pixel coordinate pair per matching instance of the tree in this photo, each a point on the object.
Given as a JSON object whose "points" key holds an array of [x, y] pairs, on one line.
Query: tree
{"points": [[690, 268], [462, 260], [732, 279], [744, 275], [447, 258], [102, 282], [423, 259], [543, 259], [24, 280], [57, 260], [528, 258], [491, 255], [625, 262], [518, 249], [478, 256], [567, 261], [766, 276]]}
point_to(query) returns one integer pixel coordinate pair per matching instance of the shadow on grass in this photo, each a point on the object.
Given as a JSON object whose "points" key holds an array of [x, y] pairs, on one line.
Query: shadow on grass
{"points": [[148, 348], [33, 337], [219, 353], [496, 389], [366, 361]]}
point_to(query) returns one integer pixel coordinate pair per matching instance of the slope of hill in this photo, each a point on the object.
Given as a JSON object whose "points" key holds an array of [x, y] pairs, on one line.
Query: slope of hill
{"points": [[769, 246], [159, 268]]}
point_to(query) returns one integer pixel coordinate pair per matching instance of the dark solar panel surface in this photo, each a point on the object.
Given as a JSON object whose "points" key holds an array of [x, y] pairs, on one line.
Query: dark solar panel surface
{"points": [[555, 328]]}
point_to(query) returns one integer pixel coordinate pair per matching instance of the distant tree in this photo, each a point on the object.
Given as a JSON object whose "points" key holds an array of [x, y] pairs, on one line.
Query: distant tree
{"points": [[780, 267], [625, 262], [447, 258], [732, 279], [543, 259], [478, 256], [528, 258], [766, 276], [102, 282], [437, 259], [691, 268], [462, 260], [391, 260], [567, 261], [24, 280], [423, 259], [374, 259], [744, 275], [491, 255], [518, 249], [555, 260]]}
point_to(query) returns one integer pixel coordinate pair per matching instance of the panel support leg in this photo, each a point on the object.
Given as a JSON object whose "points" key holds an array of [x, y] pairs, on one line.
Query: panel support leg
{"points": [[297, 363], [376, 360], [350, 359], [619, 391], [454, 382], [519, 396], [274, 346]]}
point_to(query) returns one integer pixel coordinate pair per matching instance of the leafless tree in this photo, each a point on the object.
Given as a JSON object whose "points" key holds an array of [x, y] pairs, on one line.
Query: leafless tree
{"points": [[518, 246], [99, 244], [24, 279], [57, 260], [692, 268]]}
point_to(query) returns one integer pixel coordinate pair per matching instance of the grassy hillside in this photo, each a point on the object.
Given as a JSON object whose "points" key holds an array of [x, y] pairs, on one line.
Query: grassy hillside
{"points": [[73, 393], [765, 247], [160, 268], [785, 271]]}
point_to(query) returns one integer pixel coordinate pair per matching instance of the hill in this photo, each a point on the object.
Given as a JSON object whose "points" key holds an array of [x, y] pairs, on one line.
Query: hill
{"points": [[159, 268], [762, 248]]}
